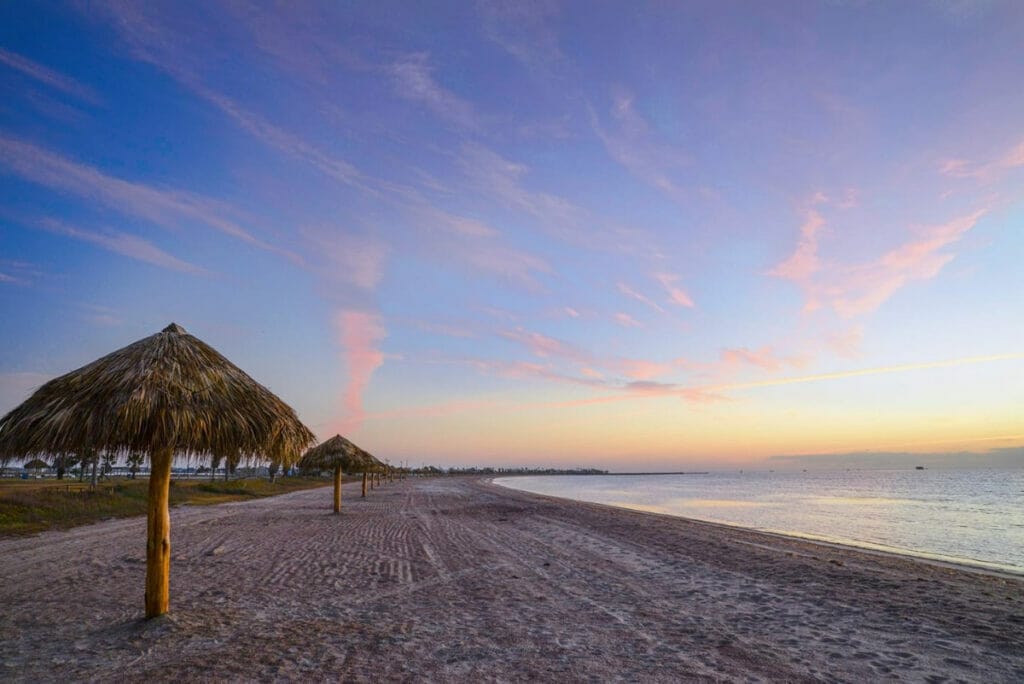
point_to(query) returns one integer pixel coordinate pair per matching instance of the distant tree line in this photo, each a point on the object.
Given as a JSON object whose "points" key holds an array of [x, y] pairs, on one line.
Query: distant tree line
{"points": [[474, 470]]}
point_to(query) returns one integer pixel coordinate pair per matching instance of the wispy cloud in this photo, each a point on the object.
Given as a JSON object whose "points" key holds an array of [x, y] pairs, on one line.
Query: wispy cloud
{"points": [[513, 265], [360, 334], [546, 347], [1011, 158], [803, 263], [14, 272], [414, 79], [863, 288], [524, 29], [857, 289], [446, 329], [161, 206], [764, 358], [101, 315], [342, 256], [439, 410], [860, 372], [627, 321], [125, 244], [713, 393], [499, 179], [639, 369], [49, 77], [283, 141], [676, 294], [631, 142], [633, 294], [847, 343]]}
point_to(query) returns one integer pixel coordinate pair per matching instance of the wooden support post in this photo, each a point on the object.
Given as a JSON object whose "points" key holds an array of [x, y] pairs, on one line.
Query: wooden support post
{"points": [[158, 534], [337, 489], [364, 484]]}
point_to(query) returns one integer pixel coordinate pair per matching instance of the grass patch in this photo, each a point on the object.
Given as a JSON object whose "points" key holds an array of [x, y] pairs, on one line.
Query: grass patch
{"points": [[27, 509]]}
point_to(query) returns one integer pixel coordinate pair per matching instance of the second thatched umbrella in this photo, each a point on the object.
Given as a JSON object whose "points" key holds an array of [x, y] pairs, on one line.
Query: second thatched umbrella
{"points": [[166, 394], [337, 454]]}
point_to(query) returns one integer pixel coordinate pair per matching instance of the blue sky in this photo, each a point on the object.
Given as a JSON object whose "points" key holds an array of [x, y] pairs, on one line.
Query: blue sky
{"points": [[633, 235]]}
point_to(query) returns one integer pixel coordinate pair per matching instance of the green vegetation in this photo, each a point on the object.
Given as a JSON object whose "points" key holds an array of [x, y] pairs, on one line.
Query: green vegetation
{"points": [[32, 506]]}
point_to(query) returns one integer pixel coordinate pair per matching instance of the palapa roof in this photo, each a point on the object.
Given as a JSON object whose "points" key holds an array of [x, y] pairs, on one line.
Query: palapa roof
{"points": [[334, 452], [170, 389], [374, 464]]}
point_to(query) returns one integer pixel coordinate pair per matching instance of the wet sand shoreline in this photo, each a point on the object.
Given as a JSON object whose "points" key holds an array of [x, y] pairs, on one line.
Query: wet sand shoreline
{"points": [[980, 567], [458, 579]]}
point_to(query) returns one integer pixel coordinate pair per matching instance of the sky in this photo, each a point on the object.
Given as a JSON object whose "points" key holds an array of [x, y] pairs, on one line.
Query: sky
{"points": [[632, 236]]}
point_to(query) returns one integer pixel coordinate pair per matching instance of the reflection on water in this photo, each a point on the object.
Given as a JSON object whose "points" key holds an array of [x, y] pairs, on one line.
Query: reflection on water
{"points": [[972, 516]]}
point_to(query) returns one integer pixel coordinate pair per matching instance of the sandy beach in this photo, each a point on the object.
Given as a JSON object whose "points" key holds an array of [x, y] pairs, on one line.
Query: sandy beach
{"points": [[458, 579]]}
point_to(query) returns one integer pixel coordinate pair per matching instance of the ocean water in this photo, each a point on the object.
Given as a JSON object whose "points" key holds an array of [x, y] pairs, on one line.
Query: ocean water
{"points": [[974, 517]]}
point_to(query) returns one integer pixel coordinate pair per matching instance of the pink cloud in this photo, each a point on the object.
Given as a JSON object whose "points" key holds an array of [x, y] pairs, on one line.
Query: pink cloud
{"points": [[571, 312], [545, 347], [699, 395], [630, 292], [359, 334], [963, 168], [627, 321], [857, 289], [803, 263], [676, 295], [528, 369], [762, 358], [591, 367], [861, 289], [639, 369], [846, 344], [765, 358]]}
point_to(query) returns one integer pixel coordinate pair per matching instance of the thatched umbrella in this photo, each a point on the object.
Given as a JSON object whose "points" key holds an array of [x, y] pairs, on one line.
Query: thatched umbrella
{"points": [[36, 464], [375, 467], [369, 465], [165, 394], [337, 454]]}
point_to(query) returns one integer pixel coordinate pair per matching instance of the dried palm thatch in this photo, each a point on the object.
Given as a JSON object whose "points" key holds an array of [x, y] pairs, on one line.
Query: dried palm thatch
{"points": [[337, 454], [374, 466], [168, 390], [169, 393]]}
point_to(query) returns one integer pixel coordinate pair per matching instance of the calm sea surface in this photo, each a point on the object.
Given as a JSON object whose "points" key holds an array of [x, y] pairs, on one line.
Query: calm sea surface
{"points": [[966, 516]]}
